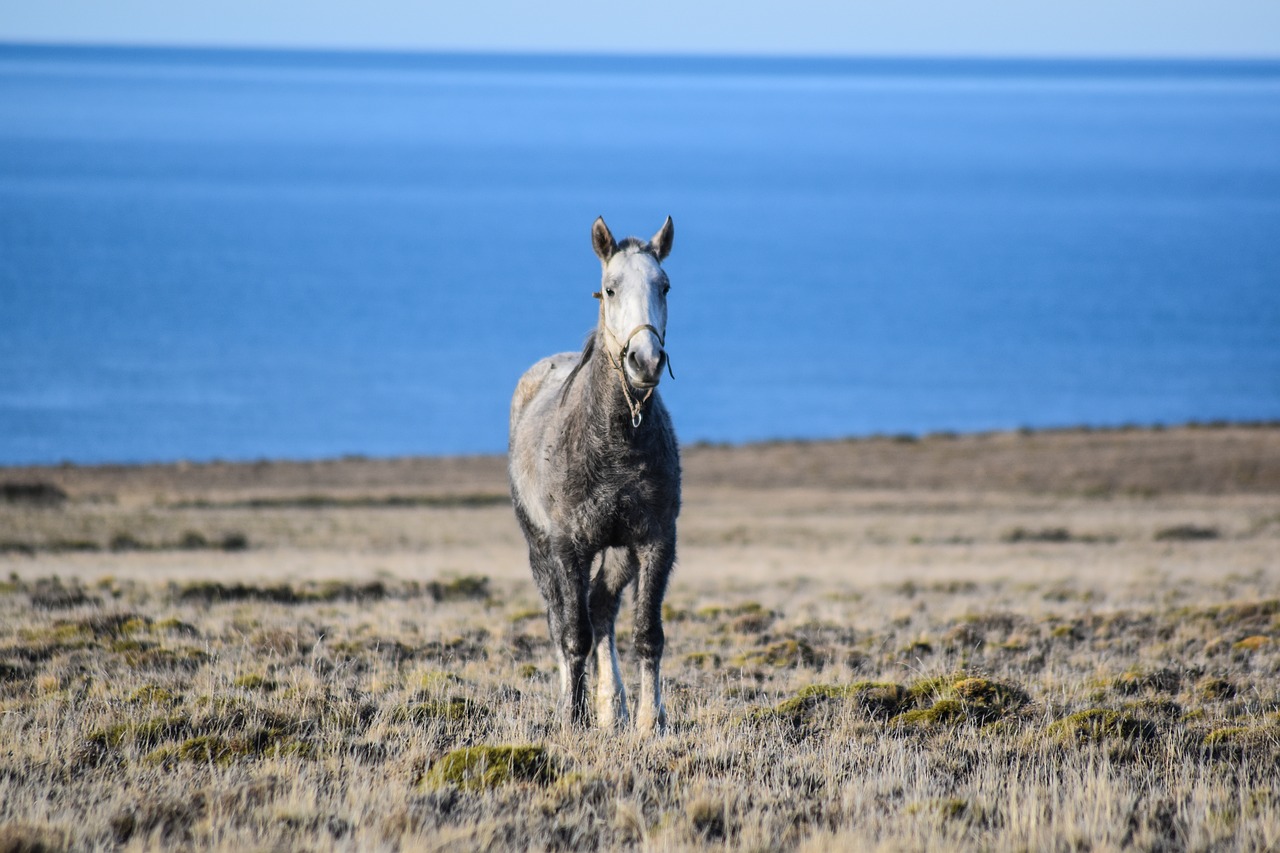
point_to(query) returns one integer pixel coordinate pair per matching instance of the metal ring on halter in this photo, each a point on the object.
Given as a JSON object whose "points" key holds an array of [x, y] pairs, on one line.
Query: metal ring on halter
{"points": [[635, 406]]}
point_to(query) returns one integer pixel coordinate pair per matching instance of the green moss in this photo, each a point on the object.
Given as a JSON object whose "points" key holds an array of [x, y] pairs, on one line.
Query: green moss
{"points": [[174, 625], [1214, 688], [255, 681], [942, 712], [485, 767], [149, 656], [1137, 681], [151, 694], [455, 709], [206, 749], [144, 735], [962, 697], [787, 654], [671, 613], [467, 587], [716, 611], [703, 660], [1100, 724], [525, 615], [438, 680], [878, 700], [223, 750], [918, 647], [1228, 735]]}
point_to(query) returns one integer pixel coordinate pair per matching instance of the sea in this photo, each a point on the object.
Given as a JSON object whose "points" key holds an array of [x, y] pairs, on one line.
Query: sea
{"points": [[222, 254]]}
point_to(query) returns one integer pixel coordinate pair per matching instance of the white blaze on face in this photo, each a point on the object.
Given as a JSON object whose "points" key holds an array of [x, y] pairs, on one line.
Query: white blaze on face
{"points": [[635, 296]]}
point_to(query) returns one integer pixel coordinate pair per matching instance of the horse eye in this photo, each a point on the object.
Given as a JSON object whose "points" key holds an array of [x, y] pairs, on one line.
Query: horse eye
{"points": [[608, 291], [666, 288]]}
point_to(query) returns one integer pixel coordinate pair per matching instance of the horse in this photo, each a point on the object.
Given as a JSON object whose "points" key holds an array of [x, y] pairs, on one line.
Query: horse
{"points": [[595, 483]]}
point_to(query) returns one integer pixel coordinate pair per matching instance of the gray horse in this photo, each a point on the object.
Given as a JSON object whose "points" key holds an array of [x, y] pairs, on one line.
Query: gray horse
{"points": [[595, 478]]}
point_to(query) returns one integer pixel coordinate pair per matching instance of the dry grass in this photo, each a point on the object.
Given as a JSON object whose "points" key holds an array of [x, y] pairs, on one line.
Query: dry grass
{"points": [[846, 669], [380, 717]]}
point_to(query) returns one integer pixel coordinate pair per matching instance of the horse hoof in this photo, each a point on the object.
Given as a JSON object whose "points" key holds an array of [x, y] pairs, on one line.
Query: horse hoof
{"points": [[650, 724]]}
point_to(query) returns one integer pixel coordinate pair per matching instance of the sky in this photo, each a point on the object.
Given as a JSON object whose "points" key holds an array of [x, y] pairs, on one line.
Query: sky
{"points": [[955, 28]]}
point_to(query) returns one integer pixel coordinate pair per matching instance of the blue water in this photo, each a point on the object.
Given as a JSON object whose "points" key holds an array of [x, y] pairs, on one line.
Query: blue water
{"points": [[240, 255]]}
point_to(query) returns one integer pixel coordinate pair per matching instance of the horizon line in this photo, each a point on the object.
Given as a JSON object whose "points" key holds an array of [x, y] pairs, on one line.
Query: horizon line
{"points": [[406, 52]]}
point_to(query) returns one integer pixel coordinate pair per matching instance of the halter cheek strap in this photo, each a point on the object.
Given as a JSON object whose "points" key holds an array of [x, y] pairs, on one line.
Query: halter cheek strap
{"points": [[635, 406]]}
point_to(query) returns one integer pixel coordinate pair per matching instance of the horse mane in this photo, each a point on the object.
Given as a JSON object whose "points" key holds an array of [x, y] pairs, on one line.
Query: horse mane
{"points": [[588, 350]]}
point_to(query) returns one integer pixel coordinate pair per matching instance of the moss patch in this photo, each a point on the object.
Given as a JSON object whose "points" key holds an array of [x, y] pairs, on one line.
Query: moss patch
{"points": [[467, 587], [1252, 644], [1094, 725], [962, 698], [455, 709], [787, 654], [876, 699], [484, 767]]}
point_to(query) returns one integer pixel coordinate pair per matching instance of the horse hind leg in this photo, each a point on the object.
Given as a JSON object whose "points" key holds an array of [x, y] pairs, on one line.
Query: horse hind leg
{"points": [[616, 571]]}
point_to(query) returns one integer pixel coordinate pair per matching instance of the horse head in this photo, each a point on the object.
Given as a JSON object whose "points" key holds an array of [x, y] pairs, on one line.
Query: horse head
{"points": [[633, 301]]}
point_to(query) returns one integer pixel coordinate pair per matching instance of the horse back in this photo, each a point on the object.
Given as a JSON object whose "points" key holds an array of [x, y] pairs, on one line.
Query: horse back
{"points": [[540, 382]]}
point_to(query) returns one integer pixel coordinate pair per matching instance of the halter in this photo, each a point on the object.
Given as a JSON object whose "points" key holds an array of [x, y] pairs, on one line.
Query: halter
{"points": [[636, 406]]}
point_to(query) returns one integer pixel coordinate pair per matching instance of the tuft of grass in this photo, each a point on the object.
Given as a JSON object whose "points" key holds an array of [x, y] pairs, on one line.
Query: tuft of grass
{"points": [[36, 493], [1252, 644], [1187, 533], [1046, 534], [1214, 688], [707, 819], [465, 588], [455, 709], [786, 654], [26, 838], [484, 767], [52, 594], [963, 698], [876, 700], [1163, 680], [256, 681], [151, 694], [1094, 725], [476, 500]]}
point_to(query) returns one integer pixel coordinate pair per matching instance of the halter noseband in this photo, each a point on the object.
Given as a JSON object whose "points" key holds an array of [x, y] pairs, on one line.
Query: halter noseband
{"points": [[636, 406]]}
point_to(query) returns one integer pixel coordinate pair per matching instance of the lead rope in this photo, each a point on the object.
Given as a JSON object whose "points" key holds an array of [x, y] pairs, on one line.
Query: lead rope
{"points": [[636, 406]]}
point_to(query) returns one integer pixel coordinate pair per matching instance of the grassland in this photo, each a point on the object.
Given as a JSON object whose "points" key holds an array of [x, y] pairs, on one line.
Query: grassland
{"points": [[1041, 641]]}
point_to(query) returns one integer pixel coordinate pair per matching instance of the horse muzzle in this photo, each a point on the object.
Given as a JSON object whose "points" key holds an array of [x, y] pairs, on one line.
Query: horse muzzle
{"points": [[644, 368]]}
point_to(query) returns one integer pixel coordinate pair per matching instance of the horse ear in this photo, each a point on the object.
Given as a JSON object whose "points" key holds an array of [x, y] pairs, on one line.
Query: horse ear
{"points": [[661, 242], [602, 240]]}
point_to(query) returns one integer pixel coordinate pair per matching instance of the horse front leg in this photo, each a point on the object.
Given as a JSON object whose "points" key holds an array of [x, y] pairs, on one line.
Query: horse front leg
{"points": [[616, 571], [655, 562], [573, 637]]}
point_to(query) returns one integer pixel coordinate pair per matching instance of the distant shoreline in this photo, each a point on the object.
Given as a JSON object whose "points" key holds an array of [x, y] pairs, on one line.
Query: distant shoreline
{"points": [[1210, 458], [904, 436]]}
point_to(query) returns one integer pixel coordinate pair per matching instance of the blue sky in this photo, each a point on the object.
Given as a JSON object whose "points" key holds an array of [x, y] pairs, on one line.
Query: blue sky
{"points": [[1065, 28]]}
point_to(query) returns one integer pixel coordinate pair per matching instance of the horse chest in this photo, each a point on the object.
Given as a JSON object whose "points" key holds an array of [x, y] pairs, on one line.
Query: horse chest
{"points": [[615, 506]]}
